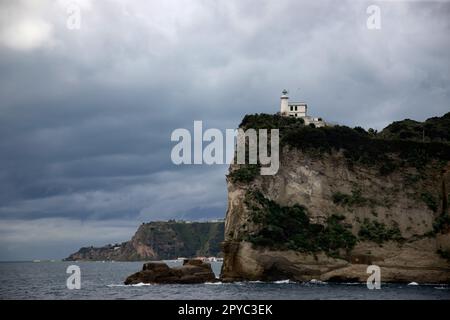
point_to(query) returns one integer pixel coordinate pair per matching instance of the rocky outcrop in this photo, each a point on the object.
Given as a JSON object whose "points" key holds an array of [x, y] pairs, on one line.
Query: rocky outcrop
{"points": [[161, 240], [370, 201], [416, 262], [192, 271]]}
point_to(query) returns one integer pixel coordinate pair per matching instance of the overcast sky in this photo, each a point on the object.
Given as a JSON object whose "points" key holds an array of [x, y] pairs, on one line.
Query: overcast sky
{"points": [[86, 114]]}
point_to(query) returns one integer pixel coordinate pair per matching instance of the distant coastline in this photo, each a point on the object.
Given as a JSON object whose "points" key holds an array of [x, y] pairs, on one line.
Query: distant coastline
{"points": [[161, 240]]}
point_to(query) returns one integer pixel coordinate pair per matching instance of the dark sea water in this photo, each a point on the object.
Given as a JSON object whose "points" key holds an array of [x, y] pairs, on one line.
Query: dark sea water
{"points": [[47, 280]]}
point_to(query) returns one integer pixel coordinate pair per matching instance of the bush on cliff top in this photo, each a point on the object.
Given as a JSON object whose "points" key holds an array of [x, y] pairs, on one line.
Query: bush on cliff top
{"points": [[387, 151], [270, 121], [357, 145], [433, 129], [246, 173]]}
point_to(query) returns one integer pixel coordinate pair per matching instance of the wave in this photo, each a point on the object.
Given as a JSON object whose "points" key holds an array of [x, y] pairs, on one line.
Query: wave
{"points": [[140, 284], [263, 282], [283, 281]]}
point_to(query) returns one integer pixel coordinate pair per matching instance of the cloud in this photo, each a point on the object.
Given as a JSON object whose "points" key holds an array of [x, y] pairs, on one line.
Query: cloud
{"points": [[86, 115], [23, 26], [55, 238], [161, 196], [26, 35]]}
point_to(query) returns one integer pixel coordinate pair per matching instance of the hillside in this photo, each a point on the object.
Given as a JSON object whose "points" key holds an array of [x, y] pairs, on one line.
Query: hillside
{"points": [[435, 129], [161, 240], [342, 199]]}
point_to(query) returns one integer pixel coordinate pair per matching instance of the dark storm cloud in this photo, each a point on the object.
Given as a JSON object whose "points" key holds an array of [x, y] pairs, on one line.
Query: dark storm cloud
{"points": [[86, 115]]}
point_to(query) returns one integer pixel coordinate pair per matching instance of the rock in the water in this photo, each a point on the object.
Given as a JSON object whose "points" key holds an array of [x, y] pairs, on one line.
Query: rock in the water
{"points": [[192, 271]]}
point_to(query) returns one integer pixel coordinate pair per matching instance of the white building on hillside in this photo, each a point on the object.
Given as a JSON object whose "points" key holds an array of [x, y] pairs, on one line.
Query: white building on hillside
{"points": [[298, 110]]}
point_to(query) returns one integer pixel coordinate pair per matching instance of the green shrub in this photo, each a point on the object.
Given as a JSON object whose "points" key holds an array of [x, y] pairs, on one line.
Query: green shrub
{"points": [[387, 167], [430, 201], [411, 179], [378, 232], [441, 223], [433, 129], [270, 121], [445, 254], [246, 173], [284, 227], [341, 198], [354, 199]]}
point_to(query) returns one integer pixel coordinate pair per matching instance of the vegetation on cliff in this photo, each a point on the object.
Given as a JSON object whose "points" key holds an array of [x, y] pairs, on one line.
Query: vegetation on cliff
{"points": [[283, 227], [441, 223], [379, 232], [199, 238], [445, 254], [386, 151], [435, 129], [246, 173], [403, 144], [288, 227], [429, 200], [354, 199]]}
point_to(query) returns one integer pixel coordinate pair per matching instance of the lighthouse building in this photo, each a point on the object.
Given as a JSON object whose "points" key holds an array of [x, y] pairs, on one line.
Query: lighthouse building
{"points": [[297, 110]]}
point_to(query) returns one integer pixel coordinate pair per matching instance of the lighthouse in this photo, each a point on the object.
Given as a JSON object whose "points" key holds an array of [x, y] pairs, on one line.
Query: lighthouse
{"points": [[298, 110], [284, 108], [292, 109]]}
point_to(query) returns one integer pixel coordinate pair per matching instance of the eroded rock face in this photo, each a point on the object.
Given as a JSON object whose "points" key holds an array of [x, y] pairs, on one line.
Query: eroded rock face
{"points": [[392, 200], [415, 262], [192, 271]]}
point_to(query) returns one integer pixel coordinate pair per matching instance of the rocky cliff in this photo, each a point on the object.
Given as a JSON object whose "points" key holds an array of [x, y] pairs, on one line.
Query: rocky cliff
{"points": [[342, 199], [161, 240]]}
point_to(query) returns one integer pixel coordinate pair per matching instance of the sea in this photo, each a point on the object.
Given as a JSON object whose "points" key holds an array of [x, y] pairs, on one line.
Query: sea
{"points": [[104, 280]]}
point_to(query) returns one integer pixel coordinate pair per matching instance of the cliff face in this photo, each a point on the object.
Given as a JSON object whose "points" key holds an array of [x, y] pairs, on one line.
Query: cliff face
{"points": [[337, 206], [161, 240]]}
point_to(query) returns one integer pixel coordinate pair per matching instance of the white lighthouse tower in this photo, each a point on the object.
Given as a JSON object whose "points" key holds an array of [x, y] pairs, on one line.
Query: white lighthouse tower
{"points": [[284, 107], [298, 110]]}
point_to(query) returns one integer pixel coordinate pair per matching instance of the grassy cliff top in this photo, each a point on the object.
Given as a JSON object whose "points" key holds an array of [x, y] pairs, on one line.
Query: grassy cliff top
{"points": [[435, 129], [361, 146]]}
